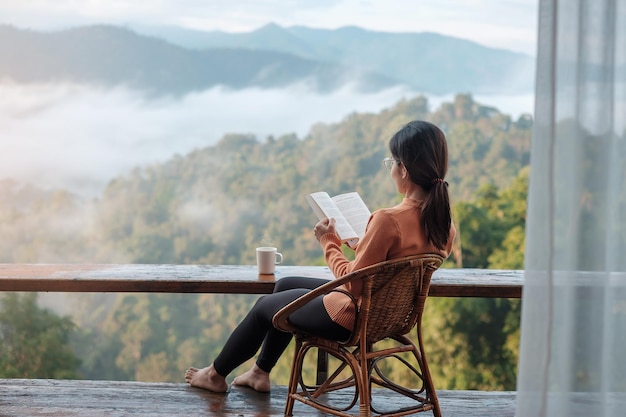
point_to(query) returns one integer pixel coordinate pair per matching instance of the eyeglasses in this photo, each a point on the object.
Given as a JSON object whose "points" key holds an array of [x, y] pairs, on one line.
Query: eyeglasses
{"points": [[388, 163]]}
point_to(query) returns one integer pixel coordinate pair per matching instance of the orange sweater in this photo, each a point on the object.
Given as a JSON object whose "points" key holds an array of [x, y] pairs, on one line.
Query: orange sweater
{"points": [[391, 233]]}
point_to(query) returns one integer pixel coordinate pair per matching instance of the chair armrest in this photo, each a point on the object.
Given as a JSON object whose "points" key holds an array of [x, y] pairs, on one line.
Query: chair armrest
{"points": [[280, 319]]}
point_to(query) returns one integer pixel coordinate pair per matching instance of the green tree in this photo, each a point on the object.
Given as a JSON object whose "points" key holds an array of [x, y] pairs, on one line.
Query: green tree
{"points": [[35, 341], [472, 342]]}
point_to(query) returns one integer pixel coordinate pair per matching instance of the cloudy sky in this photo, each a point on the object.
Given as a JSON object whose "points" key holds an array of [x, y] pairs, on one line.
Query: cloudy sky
{"points": [[507, 24]]}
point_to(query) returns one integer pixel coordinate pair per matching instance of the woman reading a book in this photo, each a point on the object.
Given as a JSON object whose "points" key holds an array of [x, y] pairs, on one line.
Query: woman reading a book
{"points": [[421, 223]]}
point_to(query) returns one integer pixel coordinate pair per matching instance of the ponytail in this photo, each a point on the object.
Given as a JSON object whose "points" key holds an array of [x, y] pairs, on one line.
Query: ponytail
{"points": [[436, 218]]}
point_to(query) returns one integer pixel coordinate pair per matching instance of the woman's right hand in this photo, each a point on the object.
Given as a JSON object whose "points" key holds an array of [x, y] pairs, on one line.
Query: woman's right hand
{"points": [[324, 226]]}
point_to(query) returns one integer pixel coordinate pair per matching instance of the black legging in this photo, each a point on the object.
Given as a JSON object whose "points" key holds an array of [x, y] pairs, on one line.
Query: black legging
{"points": [[256, 329]]}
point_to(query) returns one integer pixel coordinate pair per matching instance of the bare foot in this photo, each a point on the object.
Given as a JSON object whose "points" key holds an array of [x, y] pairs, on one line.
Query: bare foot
{"points": [[206, 378], [256, 378]]}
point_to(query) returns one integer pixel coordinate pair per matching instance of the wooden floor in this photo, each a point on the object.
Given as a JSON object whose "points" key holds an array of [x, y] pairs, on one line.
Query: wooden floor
{"points": [[41, 397]]}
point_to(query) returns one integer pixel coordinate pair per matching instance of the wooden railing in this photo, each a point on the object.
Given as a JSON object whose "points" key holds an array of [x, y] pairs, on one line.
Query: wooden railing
{"points": [[226, 279]]}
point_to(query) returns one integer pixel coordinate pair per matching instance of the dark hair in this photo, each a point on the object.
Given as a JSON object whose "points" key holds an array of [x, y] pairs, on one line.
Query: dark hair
{"points": [[421, 147]]}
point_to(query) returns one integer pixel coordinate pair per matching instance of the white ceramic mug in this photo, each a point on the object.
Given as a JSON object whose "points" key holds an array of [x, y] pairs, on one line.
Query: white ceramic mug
{"points": [[267, 258]]}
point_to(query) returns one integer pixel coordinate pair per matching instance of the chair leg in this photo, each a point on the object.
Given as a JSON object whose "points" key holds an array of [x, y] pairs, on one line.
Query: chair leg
{"points": [[296, 368], [364, 383], [365, 397], [428, 380], [430, 389]]}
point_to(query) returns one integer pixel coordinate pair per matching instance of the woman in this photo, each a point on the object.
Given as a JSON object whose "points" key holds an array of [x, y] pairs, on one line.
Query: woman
{"points": [[421, 223]]}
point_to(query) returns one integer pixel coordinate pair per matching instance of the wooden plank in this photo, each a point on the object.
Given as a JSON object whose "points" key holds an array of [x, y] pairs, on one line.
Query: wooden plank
{"points": [[466, 282], [225, 279], [40, 397]]}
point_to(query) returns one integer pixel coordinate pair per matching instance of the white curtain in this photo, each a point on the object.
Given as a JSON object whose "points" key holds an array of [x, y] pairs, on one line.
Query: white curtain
{"points": [[573, 336]]}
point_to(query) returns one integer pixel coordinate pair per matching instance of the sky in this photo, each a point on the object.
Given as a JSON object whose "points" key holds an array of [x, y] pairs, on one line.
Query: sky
{"points": [[96, 135], [509, 24]]}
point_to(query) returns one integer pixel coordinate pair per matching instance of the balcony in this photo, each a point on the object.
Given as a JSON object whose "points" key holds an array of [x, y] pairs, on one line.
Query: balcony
{"points": [[45, 397]]}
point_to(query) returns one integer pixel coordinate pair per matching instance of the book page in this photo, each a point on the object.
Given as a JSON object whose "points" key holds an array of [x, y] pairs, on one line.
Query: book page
{"points": [[323, 206], [354, 210]]}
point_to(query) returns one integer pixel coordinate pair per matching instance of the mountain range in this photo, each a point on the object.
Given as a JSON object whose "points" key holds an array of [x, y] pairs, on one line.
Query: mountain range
{"points": [[176, 61]]}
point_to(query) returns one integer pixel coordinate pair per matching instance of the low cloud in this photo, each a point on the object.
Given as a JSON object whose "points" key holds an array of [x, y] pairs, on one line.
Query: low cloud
{"points": [[80, 137]]}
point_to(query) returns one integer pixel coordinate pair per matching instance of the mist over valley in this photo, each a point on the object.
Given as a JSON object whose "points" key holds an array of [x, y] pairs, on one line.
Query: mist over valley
{"points": [[80, 137], [82, 106]]}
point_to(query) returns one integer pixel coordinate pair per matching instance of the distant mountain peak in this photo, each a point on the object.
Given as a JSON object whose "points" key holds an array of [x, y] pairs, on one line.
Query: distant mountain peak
{"points": [[270, 26]]}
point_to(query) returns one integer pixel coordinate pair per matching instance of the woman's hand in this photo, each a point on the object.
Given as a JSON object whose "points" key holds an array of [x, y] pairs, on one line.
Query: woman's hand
{"points": [[324, 226]]}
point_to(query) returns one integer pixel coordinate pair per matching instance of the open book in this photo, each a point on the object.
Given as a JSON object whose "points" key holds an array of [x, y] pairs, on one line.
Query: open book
{"points": [[349, 211]]}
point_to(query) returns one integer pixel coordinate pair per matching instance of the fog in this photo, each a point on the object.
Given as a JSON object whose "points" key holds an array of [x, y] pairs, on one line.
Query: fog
{"points": [[80, 137]]}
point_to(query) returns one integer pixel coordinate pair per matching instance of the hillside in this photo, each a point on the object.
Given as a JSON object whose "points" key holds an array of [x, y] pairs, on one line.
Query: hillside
{"points": [[216, 203]]}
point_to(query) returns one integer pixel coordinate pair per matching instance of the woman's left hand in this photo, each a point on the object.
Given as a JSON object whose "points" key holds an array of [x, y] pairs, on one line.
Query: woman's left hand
{"points": [[324, 226]]}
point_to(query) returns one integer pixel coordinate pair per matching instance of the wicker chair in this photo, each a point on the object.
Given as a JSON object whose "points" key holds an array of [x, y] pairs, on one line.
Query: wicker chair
{"points": [[394, 294]]}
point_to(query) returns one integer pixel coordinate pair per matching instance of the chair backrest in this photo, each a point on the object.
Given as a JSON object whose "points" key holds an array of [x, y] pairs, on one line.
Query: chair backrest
{"points": [[394, 295]]}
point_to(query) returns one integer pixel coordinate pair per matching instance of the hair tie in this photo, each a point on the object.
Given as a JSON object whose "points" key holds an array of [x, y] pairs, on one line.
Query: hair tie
{"points": [[440, 181]]}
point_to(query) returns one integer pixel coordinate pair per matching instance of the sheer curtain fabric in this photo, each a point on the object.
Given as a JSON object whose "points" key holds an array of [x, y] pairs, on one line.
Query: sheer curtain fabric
{"points": [[573, 336]]}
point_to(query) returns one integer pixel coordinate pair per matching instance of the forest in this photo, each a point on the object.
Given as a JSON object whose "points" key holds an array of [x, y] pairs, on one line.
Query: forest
{"points": [[215, 204]]}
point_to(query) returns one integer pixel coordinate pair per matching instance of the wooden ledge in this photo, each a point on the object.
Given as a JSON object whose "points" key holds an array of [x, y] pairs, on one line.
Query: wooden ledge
{"points": [[226, 279]]}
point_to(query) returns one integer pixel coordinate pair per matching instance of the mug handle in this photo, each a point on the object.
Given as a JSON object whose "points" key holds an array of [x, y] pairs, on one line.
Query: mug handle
{"points": [[279, 258]]}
